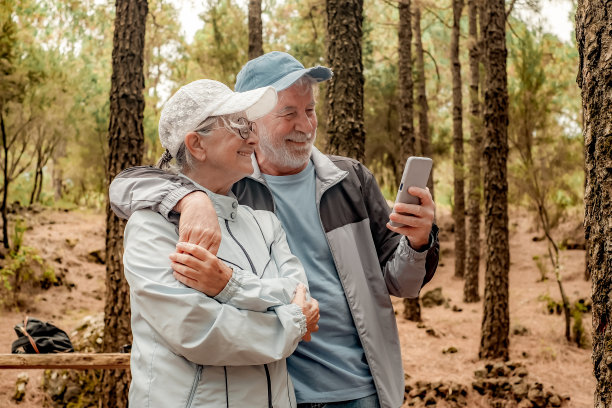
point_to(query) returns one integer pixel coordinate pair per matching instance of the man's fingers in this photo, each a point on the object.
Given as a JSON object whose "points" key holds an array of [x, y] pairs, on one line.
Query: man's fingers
{"points": [[410, 209], [409, 221], [306, 337], [423, 194]]}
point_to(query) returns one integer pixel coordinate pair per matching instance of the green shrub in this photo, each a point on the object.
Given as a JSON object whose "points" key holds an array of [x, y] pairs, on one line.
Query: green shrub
{"points": [[24, 268]]}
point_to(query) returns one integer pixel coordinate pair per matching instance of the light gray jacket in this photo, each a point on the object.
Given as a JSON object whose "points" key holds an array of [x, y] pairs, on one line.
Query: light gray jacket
{"points": [[372, 261], [190, 350]]}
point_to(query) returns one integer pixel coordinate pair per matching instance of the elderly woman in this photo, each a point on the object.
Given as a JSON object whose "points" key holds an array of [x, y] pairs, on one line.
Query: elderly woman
{"points": [[224, 345]]}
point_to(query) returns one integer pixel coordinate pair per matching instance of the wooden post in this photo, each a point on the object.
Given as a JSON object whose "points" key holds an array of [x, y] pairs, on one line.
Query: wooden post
{"points": [[75, 361]]}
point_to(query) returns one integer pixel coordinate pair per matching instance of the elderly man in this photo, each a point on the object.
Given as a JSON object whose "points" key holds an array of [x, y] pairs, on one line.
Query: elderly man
{"points": [[337, 223]]}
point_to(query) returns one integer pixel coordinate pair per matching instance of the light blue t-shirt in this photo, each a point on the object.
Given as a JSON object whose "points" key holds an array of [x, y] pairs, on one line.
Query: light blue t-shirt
{"points": [[332, 366]]}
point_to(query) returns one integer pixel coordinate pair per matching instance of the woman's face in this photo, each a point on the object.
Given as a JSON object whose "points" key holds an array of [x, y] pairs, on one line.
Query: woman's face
{"points": [[229, 153]]}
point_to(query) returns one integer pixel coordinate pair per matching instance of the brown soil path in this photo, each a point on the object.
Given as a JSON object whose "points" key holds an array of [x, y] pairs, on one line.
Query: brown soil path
{"points": [[66, 238]]}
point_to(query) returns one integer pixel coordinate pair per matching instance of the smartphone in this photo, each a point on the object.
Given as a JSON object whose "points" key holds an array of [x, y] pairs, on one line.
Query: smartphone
{"points": [[416, 174]]}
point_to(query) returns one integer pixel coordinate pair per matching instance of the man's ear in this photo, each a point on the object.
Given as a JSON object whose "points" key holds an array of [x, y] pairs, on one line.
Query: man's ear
{"points": [[196, 146]]}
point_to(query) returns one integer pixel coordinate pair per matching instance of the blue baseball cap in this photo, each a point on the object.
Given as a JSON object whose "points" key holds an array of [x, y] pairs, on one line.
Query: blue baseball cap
{"points": [[278, 70]]}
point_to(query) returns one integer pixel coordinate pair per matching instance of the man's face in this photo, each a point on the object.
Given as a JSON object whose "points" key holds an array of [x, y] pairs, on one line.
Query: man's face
{"points": [[288, 132]]}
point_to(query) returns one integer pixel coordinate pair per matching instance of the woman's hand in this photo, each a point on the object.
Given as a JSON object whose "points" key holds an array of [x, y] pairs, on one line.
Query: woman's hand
{"points": [[310, 308], [199, 269]]}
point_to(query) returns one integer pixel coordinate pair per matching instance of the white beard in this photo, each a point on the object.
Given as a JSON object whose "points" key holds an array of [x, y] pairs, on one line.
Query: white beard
{"points": [[278, 152]]}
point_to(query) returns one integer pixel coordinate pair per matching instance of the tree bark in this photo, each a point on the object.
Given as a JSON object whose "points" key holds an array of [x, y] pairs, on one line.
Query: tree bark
{"points": [[458, 173], [470, 287], [255, 29], [422, 108], [126, 144], [593, 27], [5, 168], [406, 88], [345, 130], [412, 309], [495, 323]]}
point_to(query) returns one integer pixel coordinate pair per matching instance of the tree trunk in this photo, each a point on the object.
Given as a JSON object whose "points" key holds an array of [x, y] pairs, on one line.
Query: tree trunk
{"points": [[593, 25], [406, 88], [421, 105], [35, 185], [40, 185], [459, 193], [5, 238], [345, 130], [57, 181], [412, 310], [126, 144], [495, 322], [255, 29], [470, 287]]}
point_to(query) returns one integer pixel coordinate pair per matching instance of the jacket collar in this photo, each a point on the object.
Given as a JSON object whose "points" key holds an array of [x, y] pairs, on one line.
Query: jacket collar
{"points": [[225, 205]]}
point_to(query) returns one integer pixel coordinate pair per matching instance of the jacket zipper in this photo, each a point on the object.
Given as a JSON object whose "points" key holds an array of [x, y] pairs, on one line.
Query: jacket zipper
{"points": [[226, 388], [194, 386], [241, 247], [269, 386]]}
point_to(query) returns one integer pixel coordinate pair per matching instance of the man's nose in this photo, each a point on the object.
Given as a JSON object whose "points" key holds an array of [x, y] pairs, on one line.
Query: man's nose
{"points": [[305, 123]]}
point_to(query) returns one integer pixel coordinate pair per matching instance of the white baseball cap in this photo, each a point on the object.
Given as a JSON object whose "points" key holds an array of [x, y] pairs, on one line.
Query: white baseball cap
{"points": [[193, 103]]}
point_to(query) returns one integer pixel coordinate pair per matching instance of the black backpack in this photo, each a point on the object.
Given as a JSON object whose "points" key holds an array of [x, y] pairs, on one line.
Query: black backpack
{"points": [[37, 337]]}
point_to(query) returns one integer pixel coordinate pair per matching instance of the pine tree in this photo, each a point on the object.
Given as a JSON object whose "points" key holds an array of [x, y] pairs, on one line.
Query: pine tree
{"points": [[255, 29], [593, 25], [458, 177], [422, 107], [126, 143], [496, 320], [345, 130], [470, 288]]}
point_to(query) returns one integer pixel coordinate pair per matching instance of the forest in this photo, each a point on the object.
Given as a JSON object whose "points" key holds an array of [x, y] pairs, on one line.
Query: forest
{"points": [[516, 120]]}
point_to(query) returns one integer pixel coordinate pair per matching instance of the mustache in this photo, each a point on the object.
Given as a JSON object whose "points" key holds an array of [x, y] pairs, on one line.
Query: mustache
{"points": [[301, 137]]}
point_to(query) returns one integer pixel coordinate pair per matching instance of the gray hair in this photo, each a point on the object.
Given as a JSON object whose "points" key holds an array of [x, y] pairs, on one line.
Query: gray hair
{"points": [[184, 160]]}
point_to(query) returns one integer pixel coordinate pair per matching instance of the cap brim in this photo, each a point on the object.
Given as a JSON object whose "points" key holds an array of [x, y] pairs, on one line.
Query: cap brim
{"points": [[255, 103], [319, 73]]}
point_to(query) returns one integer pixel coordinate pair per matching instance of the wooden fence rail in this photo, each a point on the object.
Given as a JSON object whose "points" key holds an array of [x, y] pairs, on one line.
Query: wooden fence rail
{"points": [[75, 361]]}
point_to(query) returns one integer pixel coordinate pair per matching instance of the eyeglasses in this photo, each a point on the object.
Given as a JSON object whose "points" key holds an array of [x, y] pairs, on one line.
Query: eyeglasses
{"points": [[244, 127], [241, 127]]}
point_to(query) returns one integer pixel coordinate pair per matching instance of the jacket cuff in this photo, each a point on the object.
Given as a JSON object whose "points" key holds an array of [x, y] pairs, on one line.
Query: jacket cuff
{"points": [[171, 199], [296, 311], [412, 255], [230, 288]]}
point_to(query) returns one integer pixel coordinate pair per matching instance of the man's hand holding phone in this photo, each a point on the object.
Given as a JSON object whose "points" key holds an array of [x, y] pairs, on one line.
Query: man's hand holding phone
{"points": [[414, 209], [414, 221]]}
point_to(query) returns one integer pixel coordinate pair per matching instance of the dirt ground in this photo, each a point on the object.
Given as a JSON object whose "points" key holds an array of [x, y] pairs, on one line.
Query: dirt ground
{"points": [[65, 239]]}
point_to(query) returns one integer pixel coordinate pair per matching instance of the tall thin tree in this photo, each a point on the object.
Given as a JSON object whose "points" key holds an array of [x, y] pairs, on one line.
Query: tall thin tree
{"points": [[593, 27], [458, 173], [345, 130], [255, 29], [422, 109], [126, 144], [470, 287], [408, 147], [496, 320], [405, 87]]}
